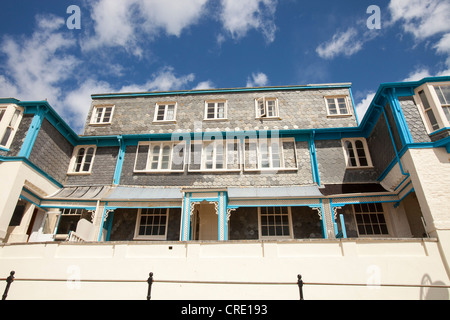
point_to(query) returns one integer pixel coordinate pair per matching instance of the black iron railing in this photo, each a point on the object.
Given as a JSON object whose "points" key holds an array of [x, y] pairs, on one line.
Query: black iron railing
{"points": [[151, 280]]}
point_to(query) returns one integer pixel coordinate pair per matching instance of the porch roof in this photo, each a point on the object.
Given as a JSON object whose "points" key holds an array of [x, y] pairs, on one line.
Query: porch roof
{"points": [[275, 192], [144, 193]]}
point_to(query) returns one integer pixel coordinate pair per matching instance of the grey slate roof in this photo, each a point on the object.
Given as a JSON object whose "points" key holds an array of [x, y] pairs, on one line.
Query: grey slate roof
{"points": [[275, 192]]}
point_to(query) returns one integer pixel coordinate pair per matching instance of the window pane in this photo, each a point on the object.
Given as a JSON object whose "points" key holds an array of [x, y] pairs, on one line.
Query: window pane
{"points": [[443, 93], [262, 108], [221, 110], [13, 121], [370, 219], [161, 111], [6, 136], [209, 156], [264, 155], [430, 114], [88, 160], [155, 157], [432, 118], [275, 221], [361, 153], [153, 222], [350, 154], [342, 106], [165, 158], [271, 108], [2, 112], [99, 114], [447, 112], [423, 97], [211, 111], [332, 106], [170, 112], [219, 156], [79, 159], [107, 116], [276, 162], [142, 155]]}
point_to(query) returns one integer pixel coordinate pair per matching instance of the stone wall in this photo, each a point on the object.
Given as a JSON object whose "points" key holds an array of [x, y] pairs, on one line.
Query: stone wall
{"points": [[303, 109]]}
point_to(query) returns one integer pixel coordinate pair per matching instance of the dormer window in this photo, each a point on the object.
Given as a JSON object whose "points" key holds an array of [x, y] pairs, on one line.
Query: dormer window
{"points": [[266, 108], [165, 112], [337, 106], [216, 110], [434, 105], [357, 153], [102, 115], [82, 160], [443, 93]]}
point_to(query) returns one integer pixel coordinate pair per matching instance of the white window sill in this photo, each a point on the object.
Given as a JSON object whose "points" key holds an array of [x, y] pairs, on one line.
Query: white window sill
{"points": [[216, 119], [367, 167], [339, 115], [268, 118], [164, 122], [79, 173], [100, 124], [158, 171], [270, 169]]}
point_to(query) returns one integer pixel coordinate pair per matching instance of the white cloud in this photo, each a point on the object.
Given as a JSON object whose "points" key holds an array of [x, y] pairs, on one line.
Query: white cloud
{"points": [[257, 80], [425, 20], [363, 105], [39, 67], [125, 23], [204, 85], [418, 74], [238, 17], [422, 18], [36, 66], [343, 43]]}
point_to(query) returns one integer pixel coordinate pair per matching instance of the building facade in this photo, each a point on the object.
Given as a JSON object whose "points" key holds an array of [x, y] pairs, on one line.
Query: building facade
{"points": [[232, 185]]}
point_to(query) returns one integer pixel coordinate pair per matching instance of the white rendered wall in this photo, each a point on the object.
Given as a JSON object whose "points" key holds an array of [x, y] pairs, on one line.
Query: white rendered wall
{"points": [[404, 262]]}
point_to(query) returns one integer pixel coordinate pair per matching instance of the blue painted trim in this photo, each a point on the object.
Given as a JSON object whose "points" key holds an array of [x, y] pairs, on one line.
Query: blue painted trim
{"points": [[183, 220], [33, 166], [314, 165], [30, 139], [399, 118], [9, 100], [109, 223], [119, 163], [354, 107], [4, 149], [225, 212], [30, 201], [344, 229], [439, 131]]}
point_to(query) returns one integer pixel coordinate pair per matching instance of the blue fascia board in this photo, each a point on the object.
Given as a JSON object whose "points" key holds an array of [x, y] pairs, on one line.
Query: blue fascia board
{"points": [[354, 106], [33, 107], [9, 100]]}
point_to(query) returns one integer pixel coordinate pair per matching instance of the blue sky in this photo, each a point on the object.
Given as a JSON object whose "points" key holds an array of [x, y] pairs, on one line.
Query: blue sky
{"points": [[148, 45]]}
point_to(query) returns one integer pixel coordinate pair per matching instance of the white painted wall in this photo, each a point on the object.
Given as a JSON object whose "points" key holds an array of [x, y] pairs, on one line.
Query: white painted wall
{"points": [[354, 261]]}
